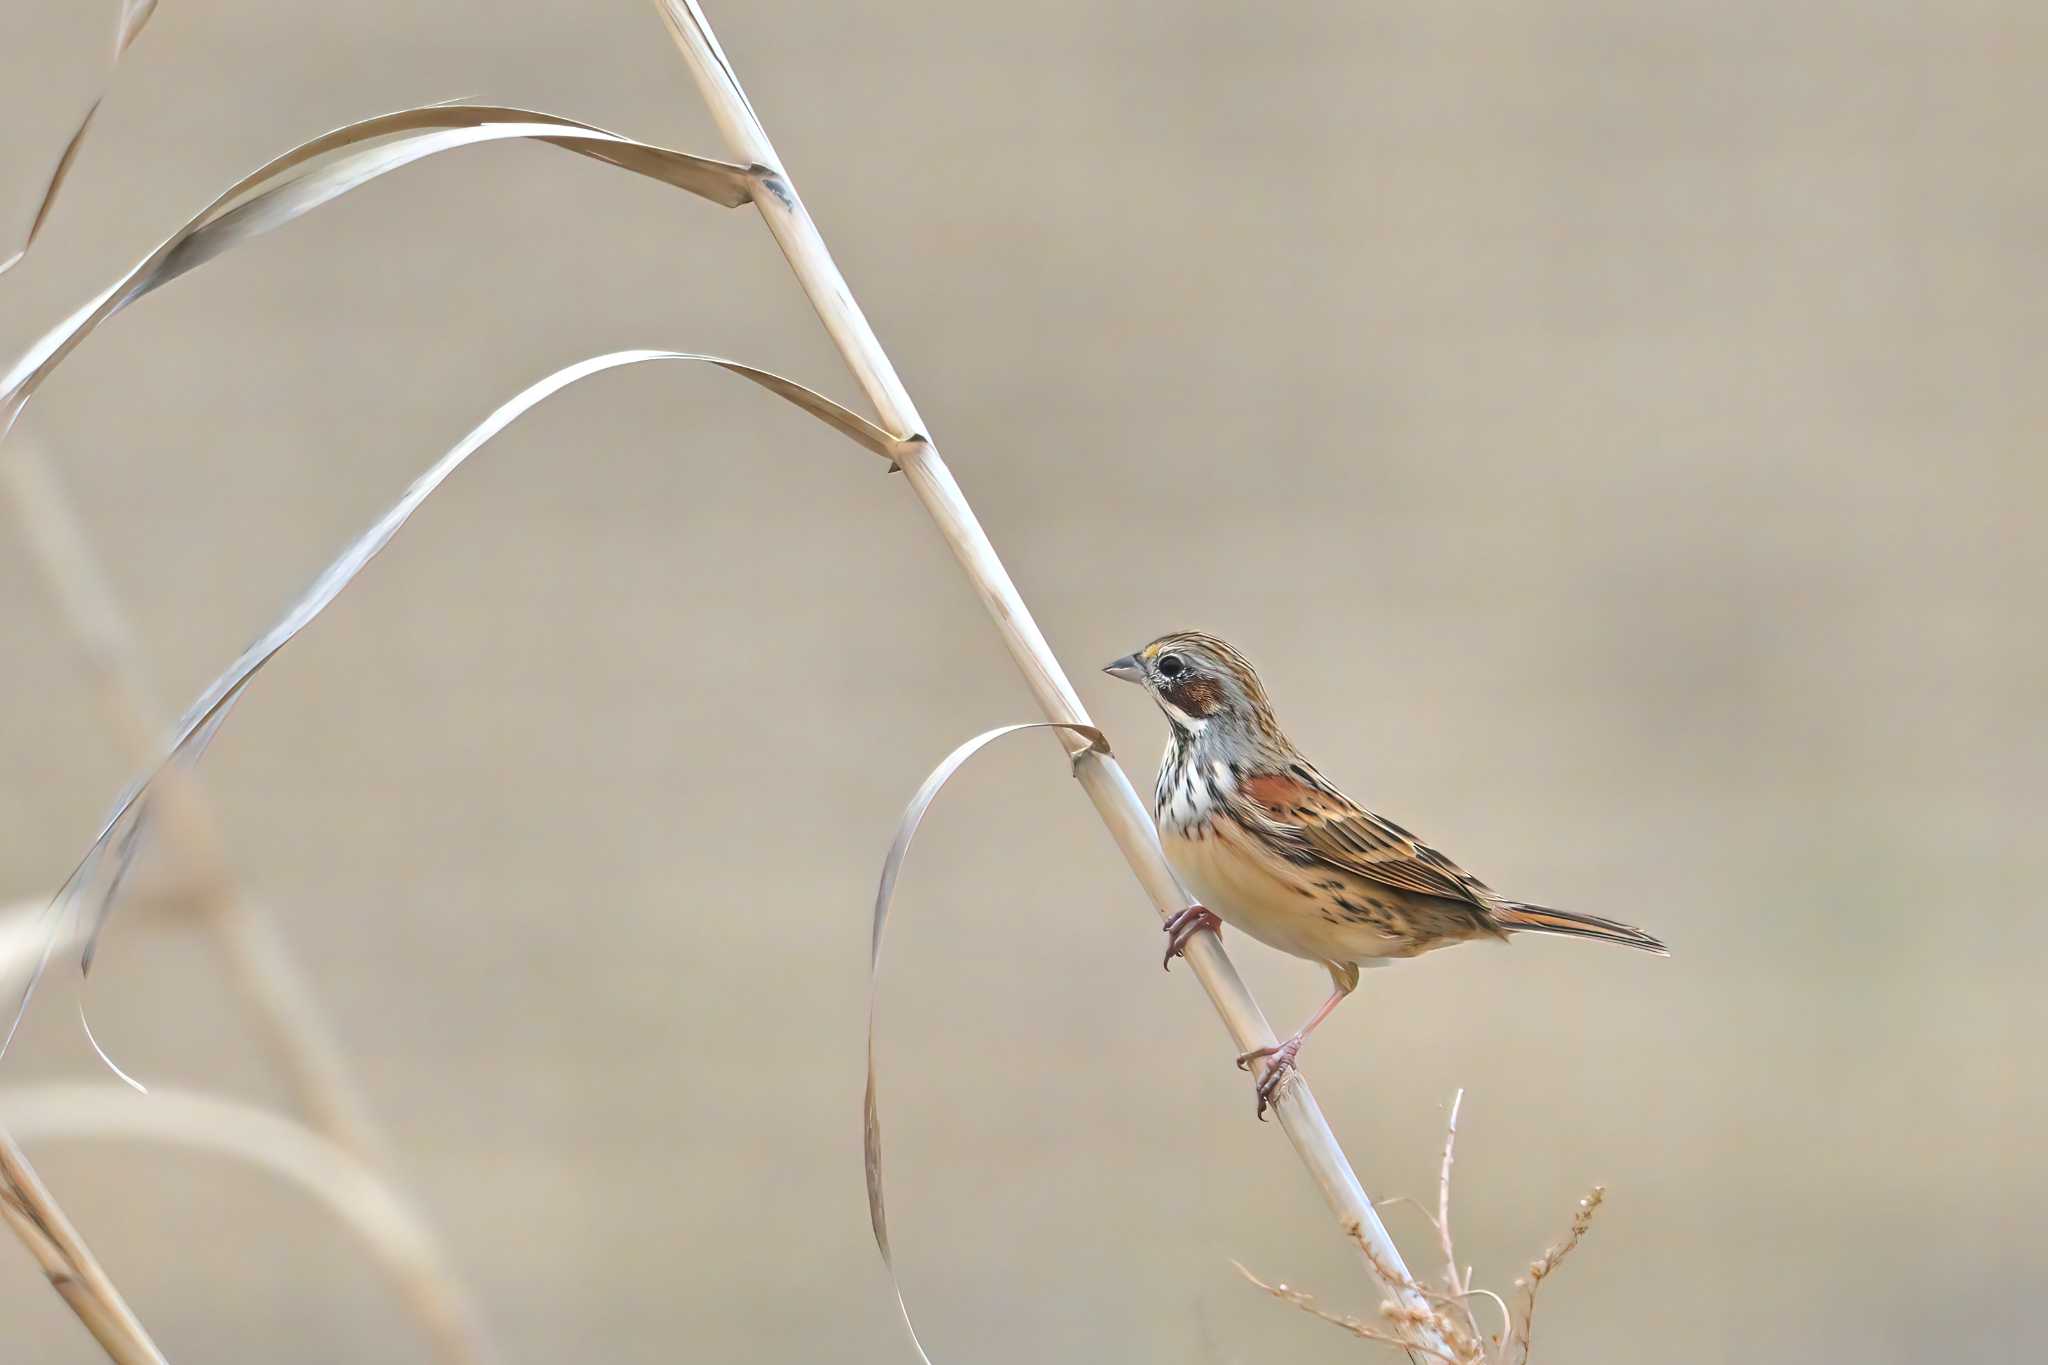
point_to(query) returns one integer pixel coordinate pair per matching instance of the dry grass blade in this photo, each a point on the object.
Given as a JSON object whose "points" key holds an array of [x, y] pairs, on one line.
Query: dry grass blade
{"points": [[134, 15], [885, 895], [196, 728], [33, 1215], [349, 1190], [324, 169]]}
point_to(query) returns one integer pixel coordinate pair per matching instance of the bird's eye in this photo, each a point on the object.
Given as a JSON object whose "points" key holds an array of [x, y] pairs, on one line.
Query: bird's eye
{"points": [[1171, 666]]}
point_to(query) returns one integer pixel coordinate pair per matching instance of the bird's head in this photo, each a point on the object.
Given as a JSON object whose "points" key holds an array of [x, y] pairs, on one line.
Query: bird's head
{"points": [[1200, 683]]}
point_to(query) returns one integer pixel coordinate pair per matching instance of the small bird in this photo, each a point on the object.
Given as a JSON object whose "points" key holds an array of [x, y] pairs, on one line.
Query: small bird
{"points": [[1263, 840]]}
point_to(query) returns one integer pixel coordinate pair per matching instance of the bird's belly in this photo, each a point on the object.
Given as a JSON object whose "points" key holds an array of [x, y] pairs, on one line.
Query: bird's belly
{"points": [[1256, 894]]}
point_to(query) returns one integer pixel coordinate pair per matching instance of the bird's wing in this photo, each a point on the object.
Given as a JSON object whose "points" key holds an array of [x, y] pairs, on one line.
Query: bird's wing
{"points": [[1310, 818]]}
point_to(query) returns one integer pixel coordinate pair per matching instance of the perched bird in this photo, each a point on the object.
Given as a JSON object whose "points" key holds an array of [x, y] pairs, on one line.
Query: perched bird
{"points": [[1261, 839]]}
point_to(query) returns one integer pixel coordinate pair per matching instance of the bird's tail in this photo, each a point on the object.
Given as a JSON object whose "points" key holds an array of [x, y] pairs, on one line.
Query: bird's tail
{"points": [[1541, 919]]}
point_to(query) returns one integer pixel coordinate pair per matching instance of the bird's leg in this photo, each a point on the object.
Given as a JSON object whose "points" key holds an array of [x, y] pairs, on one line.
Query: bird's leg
{"points": [[1280, 1059], [1185, 926]]}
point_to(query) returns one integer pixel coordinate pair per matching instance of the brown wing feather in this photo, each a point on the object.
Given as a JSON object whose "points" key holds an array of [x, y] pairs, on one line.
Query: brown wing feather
{"points": [[1321, 821]]}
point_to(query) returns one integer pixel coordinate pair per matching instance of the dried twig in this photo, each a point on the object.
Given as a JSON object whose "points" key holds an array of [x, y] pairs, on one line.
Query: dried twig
{"points": [[1443, 1195], [1460, 1284], [1546, 1264], [1119, 806], [1448, 1317], [1358, 1327], [73, 1271]]}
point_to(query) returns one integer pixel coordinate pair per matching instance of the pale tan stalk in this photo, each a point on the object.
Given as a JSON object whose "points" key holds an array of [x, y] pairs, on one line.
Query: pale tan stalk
{"points": [[1099, 774], [245, 935], [73, 1271], [248, 942], [354, 1192]]}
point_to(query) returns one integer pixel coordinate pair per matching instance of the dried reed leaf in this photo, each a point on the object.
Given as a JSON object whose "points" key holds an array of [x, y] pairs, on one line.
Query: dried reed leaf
{"points": [[885, 893], [134, 15], [324, 169], [119, 833]]}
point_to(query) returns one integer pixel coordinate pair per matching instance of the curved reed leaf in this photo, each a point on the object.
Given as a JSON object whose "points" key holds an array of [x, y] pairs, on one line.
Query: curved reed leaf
{"points": [[318, 172], [134, 14], [885, 893], [115, 845]]}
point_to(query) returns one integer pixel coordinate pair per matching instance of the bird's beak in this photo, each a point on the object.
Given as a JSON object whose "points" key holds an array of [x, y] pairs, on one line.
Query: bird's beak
{"points": [[1128, 668]]}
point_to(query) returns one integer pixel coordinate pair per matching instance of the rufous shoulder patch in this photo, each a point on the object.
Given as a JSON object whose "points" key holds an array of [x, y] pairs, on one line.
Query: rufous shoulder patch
{"points": [[1279, 793]]}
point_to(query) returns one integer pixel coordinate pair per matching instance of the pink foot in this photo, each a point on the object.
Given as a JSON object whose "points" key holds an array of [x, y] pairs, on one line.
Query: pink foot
{"points": [[1185, 926], [1279, 1066]]}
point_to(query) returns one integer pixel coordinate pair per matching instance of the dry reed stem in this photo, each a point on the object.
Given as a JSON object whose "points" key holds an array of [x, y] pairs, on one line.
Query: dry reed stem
{"points": [[1118, 804], [246, 936], [73, 1271]]}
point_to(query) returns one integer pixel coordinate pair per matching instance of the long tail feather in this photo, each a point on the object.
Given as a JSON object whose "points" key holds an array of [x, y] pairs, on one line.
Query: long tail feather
{"points": [[1541, 919]]}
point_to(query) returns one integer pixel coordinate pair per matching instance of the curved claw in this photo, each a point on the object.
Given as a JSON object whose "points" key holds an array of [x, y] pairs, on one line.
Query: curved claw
{"points": [[1185, 926], [1279, 1066]]}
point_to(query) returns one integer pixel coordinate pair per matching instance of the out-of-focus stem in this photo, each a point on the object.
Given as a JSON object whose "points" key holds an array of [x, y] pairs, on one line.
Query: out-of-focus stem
{"points": [[28, 1209], [353, 1191], [203, 885], [202, 882]]}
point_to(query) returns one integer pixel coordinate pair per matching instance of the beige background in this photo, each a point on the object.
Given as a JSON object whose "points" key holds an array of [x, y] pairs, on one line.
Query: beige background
{"points": [[1614, 427]]}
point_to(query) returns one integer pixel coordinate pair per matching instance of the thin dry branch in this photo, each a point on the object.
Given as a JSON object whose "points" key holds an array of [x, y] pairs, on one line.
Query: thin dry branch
{"points": [[73, 1271], [1118, 804], [1358, 1327], [1546, 1264], [1443, 1196]]}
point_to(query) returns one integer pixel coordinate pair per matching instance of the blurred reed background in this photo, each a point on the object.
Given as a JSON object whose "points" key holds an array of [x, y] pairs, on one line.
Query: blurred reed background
{"points": [[1613, 429]]}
